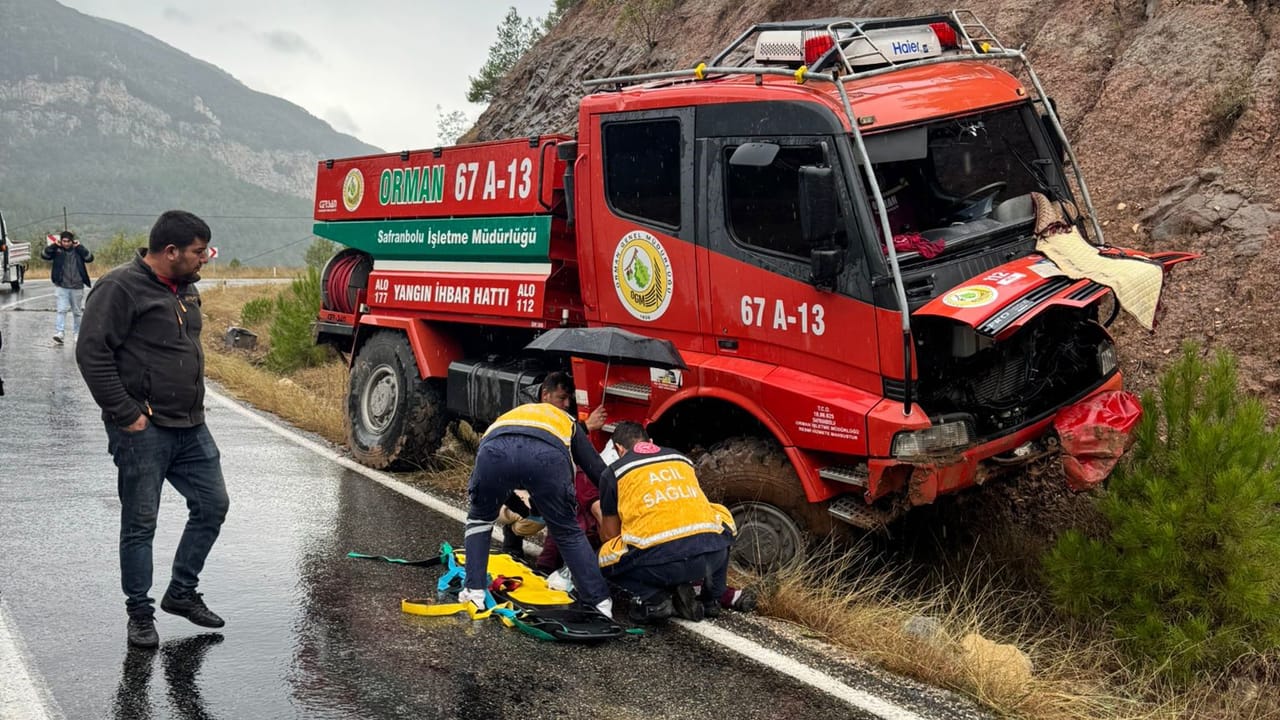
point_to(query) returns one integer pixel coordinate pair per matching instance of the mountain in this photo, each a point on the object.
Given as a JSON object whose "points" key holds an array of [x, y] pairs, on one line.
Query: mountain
{"points": [[117, 127]]}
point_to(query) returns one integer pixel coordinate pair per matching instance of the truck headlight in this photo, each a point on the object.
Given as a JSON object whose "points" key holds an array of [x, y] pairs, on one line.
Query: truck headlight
{"points": [[1106, 358], [943, 436]]}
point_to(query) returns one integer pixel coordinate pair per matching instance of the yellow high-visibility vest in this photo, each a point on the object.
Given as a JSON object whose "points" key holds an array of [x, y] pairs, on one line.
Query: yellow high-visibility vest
{"points": [[660, 500], [541, 416]]}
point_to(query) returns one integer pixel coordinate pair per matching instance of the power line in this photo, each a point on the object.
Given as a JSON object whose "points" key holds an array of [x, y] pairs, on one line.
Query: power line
{"points": [[151, 215], [214, 217], [278, 247], [37, 222]]}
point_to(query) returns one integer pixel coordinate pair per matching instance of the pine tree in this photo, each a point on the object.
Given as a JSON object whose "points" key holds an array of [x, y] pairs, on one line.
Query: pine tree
{"points": [[1189, 577], [450, 125], [515, 36]]}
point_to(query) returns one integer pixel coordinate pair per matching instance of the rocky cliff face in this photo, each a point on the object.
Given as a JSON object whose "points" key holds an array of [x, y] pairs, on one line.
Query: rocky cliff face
{"points": [[1172, 106]]}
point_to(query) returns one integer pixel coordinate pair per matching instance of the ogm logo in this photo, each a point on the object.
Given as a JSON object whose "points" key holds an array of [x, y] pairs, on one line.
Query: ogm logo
{"points": [[353, 190], [642, 275], [971, 296]]}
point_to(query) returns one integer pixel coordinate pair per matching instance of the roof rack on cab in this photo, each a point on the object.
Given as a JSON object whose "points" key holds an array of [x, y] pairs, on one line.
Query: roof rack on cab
{"points": [[840, 50]]}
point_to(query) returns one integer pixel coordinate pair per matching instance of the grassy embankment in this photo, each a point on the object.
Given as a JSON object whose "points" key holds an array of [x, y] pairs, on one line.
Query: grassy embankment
{"points": [[1076, 674]]}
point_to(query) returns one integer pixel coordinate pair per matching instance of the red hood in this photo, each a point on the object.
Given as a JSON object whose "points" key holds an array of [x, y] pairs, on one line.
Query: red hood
{"points": [[1001, 300]]}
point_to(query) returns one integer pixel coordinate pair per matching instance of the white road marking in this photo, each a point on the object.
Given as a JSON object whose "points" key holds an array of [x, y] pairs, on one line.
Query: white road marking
{"points": [[21, 697], [799, 671], [16, 303], [748, 648]]}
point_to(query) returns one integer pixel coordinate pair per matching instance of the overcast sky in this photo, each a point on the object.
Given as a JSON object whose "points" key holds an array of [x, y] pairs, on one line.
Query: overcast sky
{"points": [[375, 69]]}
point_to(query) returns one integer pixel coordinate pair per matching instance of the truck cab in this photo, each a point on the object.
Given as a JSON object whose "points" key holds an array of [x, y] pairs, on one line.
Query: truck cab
{"points": [[835, 222]]}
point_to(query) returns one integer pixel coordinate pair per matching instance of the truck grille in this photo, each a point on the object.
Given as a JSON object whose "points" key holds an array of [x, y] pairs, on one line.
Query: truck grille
{"points": [[1006, 381]]}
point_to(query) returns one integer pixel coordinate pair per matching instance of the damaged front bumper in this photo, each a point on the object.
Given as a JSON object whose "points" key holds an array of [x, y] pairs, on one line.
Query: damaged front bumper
{"points": [[1098, 429]]}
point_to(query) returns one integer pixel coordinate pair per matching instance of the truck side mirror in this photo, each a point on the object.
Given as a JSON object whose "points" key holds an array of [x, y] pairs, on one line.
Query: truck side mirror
{"points": [[818, 218], [817, 204], [825, 265], [754, 154]]}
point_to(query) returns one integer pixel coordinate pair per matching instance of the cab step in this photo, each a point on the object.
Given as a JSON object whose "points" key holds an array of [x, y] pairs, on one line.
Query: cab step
{"points": [[633, 391], [855, 511], [855, 475]]}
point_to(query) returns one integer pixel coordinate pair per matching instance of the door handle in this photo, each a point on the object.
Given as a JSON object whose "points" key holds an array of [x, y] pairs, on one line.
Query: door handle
{"points": [[727, 344]]}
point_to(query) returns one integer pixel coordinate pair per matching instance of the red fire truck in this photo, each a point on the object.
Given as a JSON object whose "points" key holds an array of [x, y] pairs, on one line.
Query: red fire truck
{"points": [[739, 210]]}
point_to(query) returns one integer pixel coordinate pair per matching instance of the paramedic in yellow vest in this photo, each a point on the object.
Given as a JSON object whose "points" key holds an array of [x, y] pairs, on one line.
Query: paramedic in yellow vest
{"points": [[534, 447], [661, 534]]}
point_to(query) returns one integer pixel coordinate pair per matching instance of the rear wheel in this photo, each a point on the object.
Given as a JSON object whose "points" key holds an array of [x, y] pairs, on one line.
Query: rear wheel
{"points": [[776, 522], [394, 417]]}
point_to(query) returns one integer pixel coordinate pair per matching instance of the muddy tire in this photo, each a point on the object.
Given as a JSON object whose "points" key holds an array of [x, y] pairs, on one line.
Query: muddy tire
{"points": [[776, 522], [395, 419]]}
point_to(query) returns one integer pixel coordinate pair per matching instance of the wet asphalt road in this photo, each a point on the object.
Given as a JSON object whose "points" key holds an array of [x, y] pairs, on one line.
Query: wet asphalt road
{"points": [[310, 633]]}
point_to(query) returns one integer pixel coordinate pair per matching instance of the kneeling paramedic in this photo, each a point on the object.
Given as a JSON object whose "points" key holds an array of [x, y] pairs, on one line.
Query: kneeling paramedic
{"points": [[660, 532], [534, 447]]}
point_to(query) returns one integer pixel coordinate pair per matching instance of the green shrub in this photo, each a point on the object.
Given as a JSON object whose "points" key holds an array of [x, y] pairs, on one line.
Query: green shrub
{"points": [[1188, 579], [319, 252], [256, 311], [644, 20], [292, 344], [1230, 104], [118, 251]]}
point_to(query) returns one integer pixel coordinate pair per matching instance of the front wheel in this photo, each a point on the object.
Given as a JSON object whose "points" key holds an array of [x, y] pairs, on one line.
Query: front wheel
{"points": [[394, 417], [756, 481]]}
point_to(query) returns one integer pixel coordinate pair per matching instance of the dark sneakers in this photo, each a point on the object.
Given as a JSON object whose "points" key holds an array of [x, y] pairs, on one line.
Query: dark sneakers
{"points": [[743, 600], [142, 632], [684, 600], [191, 607], [645, 613]]}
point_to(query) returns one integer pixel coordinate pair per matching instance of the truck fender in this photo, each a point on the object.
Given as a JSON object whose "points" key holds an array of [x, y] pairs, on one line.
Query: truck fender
{"points": [[814, 487], [433, 348]]}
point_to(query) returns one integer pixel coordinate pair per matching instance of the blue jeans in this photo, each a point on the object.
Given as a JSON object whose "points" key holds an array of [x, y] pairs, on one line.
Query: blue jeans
{"points": [[507, 462], [189, 459], [72, 300]]}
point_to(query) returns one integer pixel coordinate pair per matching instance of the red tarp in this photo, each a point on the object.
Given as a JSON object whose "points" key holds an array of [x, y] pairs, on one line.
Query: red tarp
{"points": [[1094, 434]]}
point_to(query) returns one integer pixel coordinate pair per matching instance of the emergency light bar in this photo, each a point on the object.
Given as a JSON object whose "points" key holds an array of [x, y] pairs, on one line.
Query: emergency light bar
{"points": [[873, 47]]}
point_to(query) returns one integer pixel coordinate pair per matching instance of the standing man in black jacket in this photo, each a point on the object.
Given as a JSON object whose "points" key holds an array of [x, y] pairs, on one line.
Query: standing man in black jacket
{"points": [[70, 278], [140, 355]]}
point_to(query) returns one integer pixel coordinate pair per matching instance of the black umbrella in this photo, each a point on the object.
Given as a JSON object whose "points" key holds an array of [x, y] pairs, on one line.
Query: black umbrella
{"points": [[610, 345]]}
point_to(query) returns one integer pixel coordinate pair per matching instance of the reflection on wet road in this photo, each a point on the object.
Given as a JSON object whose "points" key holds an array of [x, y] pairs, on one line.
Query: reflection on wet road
{"points": [[310, 633]]}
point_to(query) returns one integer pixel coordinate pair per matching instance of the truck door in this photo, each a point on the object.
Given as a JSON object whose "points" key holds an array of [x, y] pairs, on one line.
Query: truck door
{"points": [[645, 264], [764, 306]]}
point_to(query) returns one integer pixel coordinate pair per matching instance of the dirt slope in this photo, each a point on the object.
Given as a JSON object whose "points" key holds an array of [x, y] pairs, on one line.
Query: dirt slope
{"points": [[1145, 87]]}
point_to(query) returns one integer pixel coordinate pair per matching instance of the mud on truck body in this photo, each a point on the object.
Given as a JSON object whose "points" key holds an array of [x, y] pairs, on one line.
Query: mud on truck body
{"points": [[738, 210]]}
